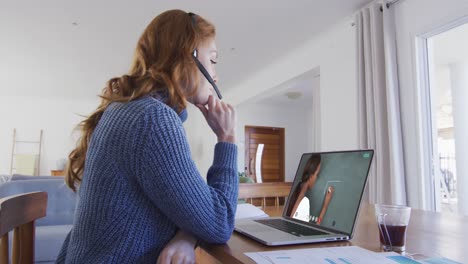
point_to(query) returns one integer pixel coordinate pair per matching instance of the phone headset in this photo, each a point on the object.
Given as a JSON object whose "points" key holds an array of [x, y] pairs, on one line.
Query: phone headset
{"points": [[199, 65]]}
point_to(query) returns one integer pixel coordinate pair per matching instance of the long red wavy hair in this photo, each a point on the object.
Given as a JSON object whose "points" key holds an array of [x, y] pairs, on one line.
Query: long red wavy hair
{"points": [[162, 63]]}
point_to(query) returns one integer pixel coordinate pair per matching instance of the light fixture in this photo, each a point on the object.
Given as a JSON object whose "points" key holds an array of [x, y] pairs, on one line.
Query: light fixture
{"points": [[293, 95]]}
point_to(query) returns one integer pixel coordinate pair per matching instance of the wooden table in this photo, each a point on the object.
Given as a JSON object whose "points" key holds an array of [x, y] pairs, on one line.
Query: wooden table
{"points": [[430, 234]]}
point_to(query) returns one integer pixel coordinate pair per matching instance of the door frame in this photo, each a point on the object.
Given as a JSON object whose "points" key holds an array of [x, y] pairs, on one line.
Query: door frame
{"points": [[428, 133]]}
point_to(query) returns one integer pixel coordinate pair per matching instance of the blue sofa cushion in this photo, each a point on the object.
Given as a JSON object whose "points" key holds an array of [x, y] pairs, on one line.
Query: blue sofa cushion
{"points": [[49, 241], [20, 177], [4, 178]]}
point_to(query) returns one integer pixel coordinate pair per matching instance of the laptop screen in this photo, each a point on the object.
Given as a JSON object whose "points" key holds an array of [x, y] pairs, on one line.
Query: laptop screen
{"points": [[328, 187]]}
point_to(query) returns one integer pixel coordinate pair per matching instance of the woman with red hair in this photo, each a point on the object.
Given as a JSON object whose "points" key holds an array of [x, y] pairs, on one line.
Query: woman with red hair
{"points": [[140, 195]]}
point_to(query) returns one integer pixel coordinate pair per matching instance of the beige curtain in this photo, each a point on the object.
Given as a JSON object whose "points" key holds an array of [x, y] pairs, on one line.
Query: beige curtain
{"points": [[378, 102]]}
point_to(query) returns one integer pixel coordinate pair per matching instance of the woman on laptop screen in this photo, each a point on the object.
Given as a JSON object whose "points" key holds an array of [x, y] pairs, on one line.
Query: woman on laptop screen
{"points": [[299, 207]]}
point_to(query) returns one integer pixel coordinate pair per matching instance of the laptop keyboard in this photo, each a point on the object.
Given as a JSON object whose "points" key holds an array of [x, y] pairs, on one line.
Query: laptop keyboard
{"points": [[290, 227]]}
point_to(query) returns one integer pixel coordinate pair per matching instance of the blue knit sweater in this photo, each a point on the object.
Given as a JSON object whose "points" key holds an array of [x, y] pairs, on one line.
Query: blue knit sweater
{"points": [[140, 185]]}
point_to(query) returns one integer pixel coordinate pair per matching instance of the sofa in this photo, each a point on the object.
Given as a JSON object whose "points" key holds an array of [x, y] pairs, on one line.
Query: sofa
{"points": [[20, 177], [52, 229]]}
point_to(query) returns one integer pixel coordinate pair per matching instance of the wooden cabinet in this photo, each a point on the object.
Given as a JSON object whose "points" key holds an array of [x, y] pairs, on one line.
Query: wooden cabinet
{"points": [[57, 172]]}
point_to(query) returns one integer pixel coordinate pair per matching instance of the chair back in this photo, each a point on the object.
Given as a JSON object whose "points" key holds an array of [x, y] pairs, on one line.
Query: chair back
{"points": [[264, 190], [19, 213], [62, 200]]}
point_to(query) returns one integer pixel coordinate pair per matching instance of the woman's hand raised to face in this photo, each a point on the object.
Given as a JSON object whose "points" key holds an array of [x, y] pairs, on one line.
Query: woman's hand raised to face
{"points": [[221, 117]]}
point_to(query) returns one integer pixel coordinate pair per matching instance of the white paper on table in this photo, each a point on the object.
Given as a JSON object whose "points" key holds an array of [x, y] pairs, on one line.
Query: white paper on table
{"points": [[349, 255], [249, 211]]}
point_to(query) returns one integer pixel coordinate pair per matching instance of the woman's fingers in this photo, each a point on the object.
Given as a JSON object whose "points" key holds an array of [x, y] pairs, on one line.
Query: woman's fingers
{"points": [[211, 102], [220, 117], [164, 258]]}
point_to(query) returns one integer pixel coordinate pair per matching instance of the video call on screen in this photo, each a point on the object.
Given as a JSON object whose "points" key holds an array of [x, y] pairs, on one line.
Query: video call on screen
{"points": [[332, 198]]}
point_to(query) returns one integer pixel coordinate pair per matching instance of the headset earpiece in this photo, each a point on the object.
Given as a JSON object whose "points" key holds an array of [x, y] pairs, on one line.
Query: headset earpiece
{"points": [[200, 66]]}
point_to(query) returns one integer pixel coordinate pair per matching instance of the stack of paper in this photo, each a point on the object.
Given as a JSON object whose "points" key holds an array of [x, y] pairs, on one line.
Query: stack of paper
{"points": [[348, 255], [335, 255], [249, 211]]}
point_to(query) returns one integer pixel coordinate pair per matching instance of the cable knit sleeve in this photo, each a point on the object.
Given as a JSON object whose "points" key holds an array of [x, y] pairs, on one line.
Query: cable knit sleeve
{"points": [[169, 177]]}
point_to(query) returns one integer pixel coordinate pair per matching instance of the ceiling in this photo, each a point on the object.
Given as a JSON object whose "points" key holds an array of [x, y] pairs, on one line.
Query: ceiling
{"points": [[71, 48], [451, 46], [294, 93]]}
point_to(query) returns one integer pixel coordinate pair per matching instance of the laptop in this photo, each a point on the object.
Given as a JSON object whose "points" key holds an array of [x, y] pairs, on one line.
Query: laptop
{"points": [[323, 203]]}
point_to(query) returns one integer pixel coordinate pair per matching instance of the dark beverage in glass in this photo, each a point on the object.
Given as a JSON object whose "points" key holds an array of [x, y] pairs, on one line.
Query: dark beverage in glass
{"points": [[393, 236], [392, 221]]}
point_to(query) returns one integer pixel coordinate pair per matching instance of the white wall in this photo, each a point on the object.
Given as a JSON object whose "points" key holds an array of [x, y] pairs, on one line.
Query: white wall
{"points": [[201, 139], [294, 120], [313, 116], [459, 84], [414, 18], [334, 52], [56, 116]]}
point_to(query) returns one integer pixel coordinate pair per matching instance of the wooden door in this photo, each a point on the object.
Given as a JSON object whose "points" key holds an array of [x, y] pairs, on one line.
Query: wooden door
{"points": [[272, 164]]}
